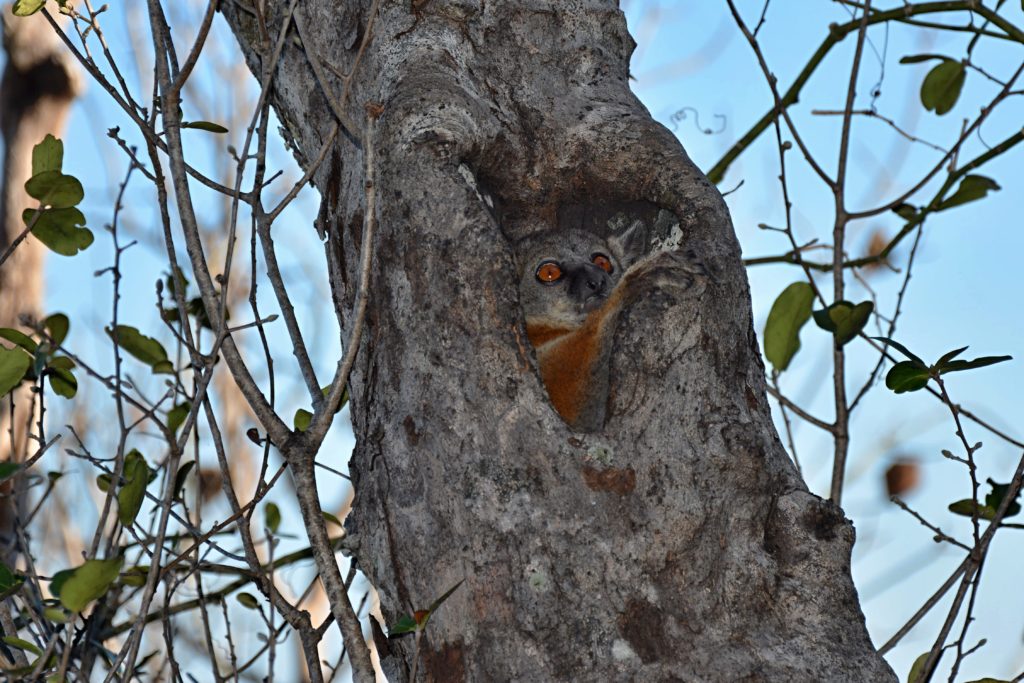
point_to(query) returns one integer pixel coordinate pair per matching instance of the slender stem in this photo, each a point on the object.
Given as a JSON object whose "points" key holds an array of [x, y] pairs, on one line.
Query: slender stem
{"points": [[842, 425], [21, 236], [836, 35]]}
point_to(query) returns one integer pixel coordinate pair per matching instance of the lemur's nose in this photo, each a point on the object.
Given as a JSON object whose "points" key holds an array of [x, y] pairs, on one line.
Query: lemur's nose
{"points": [[595, 280], [587, 281]]}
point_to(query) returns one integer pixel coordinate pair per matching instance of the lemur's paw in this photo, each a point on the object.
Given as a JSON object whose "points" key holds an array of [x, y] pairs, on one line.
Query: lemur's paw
{"points": [[671, 270]]}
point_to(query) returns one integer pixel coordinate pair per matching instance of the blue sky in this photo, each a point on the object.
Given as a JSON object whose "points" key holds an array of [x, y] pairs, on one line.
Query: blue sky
{"points": [[691, 59], [964, 290]]}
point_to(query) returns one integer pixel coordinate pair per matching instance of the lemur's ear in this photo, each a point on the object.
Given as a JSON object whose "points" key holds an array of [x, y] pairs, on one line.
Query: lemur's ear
{"points": [[628, 247]]}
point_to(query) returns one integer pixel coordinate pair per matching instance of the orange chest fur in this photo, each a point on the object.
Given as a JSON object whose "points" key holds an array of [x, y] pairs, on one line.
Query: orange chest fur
{"points": [[566, 359]]}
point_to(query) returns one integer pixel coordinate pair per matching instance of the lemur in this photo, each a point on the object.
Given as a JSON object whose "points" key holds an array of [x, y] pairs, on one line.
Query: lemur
{"points": [[573, 285]]}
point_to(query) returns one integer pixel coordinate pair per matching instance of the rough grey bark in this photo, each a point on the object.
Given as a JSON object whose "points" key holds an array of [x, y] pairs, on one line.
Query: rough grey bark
{"points": [[678, 543]]}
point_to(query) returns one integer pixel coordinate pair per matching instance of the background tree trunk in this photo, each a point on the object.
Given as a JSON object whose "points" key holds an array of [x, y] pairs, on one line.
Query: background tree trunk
{"points": [[678, 543], [38, 85]]}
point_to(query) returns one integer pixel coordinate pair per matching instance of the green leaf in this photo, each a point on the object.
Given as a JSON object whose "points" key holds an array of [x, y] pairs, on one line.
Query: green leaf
{"points": [[54, 189], [24, 8], [8, 579], [193, 307], [902, 349], [248, 600], [86, 583], [57, 581], [62, 230], [179, 480], [103, 482], [19, 338], [344, 396], [437, 603], [145, 349], [135, 577], [971, 188], [906, 376], [917, 669], [946, 357], [13, 366], [175, 280], [133, 492], [19, 644], [961, 366], [176, 415], [57, 325], [164, 367], [63, 382], [48, 155], [204, 125], [55, 615], [907, 212], [61, 363], [302, 420], [966, 507], [9, 582], [941, 87], [844, 319], [272, 517], [8, 469], [782, 331], [406, 624], [995, 498], [914, 59]]}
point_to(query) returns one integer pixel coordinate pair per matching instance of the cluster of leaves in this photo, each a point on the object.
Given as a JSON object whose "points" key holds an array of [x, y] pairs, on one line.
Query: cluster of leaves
{"points": [[76, 588], [144, 349], [303, 418], [916, 674], [25, 8], [843, 319], [194, 306], [940, 91], [972, 187], [130, 494], [73, 590], [969, 508], [56, 222], [30, 359], [913, 374]]}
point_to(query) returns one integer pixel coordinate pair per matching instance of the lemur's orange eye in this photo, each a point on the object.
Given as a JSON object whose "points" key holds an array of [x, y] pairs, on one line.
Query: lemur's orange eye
{"points": [[603, 262], [549, 272]]}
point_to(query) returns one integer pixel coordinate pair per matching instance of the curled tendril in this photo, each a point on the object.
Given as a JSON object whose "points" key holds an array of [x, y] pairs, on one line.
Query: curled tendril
{"points": [[681, 114]]}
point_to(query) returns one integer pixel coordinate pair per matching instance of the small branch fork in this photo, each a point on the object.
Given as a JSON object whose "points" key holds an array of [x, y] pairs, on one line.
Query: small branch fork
{"points": [[166, 157], [967, 575]]}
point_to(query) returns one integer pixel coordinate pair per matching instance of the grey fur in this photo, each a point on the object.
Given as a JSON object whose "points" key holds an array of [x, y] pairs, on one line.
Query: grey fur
{"points": [[566, 302]]}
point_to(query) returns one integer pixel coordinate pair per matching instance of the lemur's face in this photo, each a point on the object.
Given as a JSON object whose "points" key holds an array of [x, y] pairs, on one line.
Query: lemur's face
{"points": [[566, 275]]}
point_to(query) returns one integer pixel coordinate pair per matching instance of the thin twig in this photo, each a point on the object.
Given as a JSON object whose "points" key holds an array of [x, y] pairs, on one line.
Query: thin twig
{"points": [[842, 423]]}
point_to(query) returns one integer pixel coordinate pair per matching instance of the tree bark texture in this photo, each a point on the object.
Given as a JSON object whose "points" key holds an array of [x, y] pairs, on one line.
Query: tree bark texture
{"points": [[676, 544], [38, 85]]}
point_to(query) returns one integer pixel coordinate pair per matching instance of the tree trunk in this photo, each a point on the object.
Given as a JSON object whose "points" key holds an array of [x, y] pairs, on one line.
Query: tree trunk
{"points": [[38, 85], [678, 543]]}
